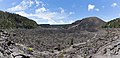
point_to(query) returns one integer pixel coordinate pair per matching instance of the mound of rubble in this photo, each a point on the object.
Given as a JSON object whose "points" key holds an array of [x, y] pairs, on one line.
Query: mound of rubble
{"points": [[104, 43], [10, 49]]}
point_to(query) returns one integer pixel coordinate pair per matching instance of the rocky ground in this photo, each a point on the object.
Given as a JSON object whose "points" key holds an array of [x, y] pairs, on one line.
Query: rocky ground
{"points": [[58, 43]]}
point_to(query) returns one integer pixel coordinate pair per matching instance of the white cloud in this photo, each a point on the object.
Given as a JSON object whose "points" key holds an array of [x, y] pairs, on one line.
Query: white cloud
{"points": [[30, 3], [17, 8], [71, 13], [97, 9], [71, 21], [40, 10], [91, 7], [43, 14], [22, 13], [114, 5], [25, 4], [40, 14], [61, 10], [38, 3]]}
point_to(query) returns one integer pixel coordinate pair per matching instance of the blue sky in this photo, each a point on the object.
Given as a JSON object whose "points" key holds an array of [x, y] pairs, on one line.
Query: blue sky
{"points": [[62, 11]]}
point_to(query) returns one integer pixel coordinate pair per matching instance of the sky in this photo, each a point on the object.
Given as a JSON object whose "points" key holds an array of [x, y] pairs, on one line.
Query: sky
{"points": [[62, 11]]}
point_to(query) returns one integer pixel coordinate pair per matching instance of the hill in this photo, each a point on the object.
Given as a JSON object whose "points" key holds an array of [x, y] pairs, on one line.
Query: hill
{"points": [[11, 20], [115, 23], [87, 23]]}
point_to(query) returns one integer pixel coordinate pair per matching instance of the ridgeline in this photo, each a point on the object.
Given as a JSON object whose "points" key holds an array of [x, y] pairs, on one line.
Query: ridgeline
{"points": [[11, 20]]}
